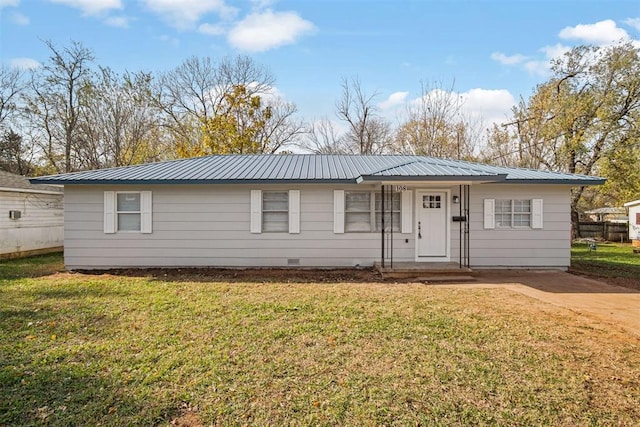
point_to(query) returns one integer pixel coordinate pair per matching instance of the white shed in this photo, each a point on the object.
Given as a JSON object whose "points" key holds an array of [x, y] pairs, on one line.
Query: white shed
{"points": [[31, 217], [634, 221]]}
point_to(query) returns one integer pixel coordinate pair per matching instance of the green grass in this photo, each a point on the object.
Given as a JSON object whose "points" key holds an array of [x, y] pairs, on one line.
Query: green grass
{"points": [[108, 350], [608, 260]]}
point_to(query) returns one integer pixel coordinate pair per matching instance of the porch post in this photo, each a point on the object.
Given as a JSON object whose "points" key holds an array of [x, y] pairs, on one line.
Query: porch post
{"points": [[382, 228]]}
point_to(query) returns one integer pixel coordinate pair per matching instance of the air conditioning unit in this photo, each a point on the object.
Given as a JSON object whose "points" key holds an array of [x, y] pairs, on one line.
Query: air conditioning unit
{"points": [[15, 214]]}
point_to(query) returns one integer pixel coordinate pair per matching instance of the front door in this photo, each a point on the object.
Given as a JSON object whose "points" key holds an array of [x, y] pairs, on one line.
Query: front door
{"points": [[432, 223]]}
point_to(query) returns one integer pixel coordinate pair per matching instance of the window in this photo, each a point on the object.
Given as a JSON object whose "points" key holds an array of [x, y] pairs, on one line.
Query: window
{"points": [[275, 211], [513, 213], [363, 211], [128, 212]]}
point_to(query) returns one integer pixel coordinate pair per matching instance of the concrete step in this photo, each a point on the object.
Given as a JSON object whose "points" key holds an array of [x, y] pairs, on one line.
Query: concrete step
{"points": [[446, 278]]}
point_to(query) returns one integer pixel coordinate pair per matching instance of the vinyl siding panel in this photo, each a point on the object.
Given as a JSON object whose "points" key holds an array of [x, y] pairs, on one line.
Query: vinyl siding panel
{"points": [[40, 225], [522, 247], [209, 225], [204, 225]]}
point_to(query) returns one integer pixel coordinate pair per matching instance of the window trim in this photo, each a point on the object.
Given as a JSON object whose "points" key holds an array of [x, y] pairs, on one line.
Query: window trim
{"points": [[110, 210], [263, 211]]}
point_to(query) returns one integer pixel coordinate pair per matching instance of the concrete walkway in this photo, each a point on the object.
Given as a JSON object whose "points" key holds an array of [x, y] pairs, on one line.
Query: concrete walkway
{"points": [[614, 304]]}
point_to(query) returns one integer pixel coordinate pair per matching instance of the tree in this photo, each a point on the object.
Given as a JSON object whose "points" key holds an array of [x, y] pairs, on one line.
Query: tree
{"points": [[118, 120], [584, 118], [15, 156], [57, 103], [436, 126], [192, 94], [367, 132], [12, 86], [322, 137]]}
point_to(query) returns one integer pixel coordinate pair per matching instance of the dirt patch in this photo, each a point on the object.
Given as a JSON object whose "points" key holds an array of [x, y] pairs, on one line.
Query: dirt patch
{"points": [[251, 275], [625, 282]]}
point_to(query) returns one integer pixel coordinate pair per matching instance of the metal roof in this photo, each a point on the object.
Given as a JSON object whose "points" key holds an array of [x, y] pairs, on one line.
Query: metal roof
{"points": [[311, 168]]}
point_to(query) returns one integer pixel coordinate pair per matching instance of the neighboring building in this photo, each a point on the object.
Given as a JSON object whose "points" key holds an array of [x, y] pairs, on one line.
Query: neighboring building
{"points": [[316, 211], [618, 215], [31, 217], [634, 220]]}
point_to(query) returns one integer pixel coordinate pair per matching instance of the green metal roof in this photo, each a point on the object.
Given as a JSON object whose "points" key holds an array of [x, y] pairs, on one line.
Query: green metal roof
{"points": [[311, 168]]}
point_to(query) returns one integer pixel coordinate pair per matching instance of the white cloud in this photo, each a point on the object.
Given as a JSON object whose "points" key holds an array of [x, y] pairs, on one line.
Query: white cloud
{"points": [[508, 59], [19, 19], [25, 63], [487, 105], [185, 14], [211, 29], [633, 23], [601, 33], [117, 21], [9, 3], [266, 30], [169, 40], [91, 7], [395, 99]]}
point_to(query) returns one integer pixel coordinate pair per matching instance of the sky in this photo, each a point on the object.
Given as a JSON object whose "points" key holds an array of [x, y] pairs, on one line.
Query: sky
{"points": [[491, 52]]}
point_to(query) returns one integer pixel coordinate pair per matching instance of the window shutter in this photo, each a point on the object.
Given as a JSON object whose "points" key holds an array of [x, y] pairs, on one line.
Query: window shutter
{"points": [[146, 216], [407, 209], [489, 218], [536, 213], [338, 211], [294, 211], [109, 212], [256, 211]]}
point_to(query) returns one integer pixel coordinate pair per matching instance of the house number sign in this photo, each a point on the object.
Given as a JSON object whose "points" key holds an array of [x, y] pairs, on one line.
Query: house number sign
{"points": [[400, 188]]}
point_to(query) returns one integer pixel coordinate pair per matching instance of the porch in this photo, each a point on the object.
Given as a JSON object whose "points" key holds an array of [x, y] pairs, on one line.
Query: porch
{"points": [[425, 271]]}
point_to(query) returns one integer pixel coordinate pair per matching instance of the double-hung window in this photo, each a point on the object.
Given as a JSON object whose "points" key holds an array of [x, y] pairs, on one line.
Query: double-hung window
{"points": [[363, 211], [129, 214], [275, 211], [513, 213]]}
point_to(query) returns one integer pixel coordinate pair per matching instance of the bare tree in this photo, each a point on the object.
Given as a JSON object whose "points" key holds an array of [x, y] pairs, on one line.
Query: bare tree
{"points": [[437, 125], [57, 101], [323, 138], [116, 125], [12, 85], [367, 132]]}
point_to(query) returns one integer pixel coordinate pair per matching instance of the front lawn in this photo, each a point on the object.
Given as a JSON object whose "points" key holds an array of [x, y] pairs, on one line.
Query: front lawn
{"points": [[609, 261], [87, 350]]}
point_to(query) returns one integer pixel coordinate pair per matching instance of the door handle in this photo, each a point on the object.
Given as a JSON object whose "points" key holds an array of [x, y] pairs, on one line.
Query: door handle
{"points": [[419, 230]]}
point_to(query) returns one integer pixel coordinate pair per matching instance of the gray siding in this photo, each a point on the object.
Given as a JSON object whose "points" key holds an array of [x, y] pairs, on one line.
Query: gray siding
{"points": [[41, 224], [522, 247], [209, 225]]}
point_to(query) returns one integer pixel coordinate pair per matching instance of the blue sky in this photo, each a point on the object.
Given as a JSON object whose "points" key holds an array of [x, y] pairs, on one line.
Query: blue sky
{"points": [[496, 51]]}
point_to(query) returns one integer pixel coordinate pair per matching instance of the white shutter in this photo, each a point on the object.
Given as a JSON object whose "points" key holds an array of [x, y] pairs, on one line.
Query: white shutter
{"points": [[256, 211], [407, 210], [338, 211], [294, 211], [489, 217], [146, 216], [536, 213], [109, 212]]}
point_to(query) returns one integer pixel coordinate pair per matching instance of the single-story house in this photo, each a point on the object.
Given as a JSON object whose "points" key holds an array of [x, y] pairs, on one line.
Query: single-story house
{"points": [[608, 214], [316, 211], [31, 217], [634, 220]]}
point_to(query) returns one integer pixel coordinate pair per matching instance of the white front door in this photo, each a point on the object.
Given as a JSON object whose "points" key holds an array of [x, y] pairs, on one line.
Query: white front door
{"points": [[432, 224]]}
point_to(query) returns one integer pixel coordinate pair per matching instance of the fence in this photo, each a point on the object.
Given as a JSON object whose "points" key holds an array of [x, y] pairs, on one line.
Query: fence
{"points": [[611, 231]]}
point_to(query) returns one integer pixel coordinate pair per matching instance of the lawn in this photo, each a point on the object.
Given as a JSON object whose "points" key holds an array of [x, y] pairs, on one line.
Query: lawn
{"points": [[109, 350], [609, 261]]}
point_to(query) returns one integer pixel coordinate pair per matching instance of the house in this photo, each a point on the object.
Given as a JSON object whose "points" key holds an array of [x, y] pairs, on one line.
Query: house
{"points": [[316, 211], [608, 214], [31, 217], [634, 221]]}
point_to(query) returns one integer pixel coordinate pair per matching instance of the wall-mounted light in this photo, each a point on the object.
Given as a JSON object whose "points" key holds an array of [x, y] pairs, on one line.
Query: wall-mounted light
{"points": [[456, 199]]}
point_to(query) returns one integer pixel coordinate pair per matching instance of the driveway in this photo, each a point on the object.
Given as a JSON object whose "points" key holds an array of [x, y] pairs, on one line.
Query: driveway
{"points": [[613, 304]]}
